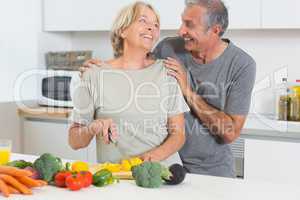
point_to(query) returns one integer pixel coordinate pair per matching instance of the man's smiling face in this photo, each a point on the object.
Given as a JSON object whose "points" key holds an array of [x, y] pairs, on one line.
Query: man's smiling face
{"points": [[194, 28]]}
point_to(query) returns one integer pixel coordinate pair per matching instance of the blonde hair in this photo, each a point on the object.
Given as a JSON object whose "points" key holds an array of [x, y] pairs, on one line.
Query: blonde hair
{"points": [[124, 19]]}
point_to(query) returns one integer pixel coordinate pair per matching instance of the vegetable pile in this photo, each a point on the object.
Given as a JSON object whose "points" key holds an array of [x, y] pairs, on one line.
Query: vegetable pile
{"points": [[153, 174], [17, 181], [20, 176]]}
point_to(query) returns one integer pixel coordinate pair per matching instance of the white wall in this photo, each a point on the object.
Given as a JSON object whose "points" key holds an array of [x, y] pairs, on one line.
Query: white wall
{"points": [[272, 50], [22, 48], [18, 43], [23, 44]]}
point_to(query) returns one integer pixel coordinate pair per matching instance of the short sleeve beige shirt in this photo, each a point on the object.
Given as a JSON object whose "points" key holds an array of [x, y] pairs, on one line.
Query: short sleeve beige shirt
{"points": [[138, 101]]}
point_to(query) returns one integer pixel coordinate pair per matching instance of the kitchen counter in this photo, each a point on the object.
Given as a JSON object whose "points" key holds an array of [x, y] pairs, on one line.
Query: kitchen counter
{"points": [[194, 187], [39, 112], [269, 134], [256, 126]]}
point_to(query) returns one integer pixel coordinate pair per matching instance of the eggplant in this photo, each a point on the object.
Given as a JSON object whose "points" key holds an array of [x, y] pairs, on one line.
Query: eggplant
{"points": [[178, 175]]}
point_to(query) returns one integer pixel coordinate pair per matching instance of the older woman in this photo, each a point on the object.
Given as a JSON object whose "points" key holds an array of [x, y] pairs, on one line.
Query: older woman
{"points": [[130, 99]]}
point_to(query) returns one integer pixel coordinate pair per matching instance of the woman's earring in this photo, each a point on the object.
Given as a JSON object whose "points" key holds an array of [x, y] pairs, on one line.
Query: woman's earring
{"points": [[122, 35]]}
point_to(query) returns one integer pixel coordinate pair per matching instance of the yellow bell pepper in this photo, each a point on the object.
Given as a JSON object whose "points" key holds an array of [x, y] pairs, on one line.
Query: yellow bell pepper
{"points": [[126, 166], [80, 166], [112, 167], [135, 161]]}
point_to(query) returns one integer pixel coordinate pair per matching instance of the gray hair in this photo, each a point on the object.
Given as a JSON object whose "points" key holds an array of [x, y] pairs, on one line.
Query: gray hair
{"points": [[217, 13]]}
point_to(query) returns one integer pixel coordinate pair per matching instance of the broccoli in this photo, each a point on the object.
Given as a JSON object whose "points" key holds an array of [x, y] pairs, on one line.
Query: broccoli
{"points": [[150, 174], [48, 165]]}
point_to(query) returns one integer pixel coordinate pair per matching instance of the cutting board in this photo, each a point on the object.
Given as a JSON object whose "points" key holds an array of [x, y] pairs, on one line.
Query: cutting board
{"points": [[123, 175]]}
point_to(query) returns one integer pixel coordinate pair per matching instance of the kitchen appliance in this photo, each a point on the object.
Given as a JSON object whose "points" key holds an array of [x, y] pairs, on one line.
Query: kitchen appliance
{"points": [[238, 148], [55, 87]]}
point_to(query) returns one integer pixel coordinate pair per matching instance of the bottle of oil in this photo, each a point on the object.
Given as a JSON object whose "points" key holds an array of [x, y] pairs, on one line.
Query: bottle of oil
{"points": [[295, 104], [283, 101]]}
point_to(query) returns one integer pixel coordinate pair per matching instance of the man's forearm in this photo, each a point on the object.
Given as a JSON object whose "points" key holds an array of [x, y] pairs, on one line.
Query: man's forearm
{"points": [[79, 136], [218, 122]]}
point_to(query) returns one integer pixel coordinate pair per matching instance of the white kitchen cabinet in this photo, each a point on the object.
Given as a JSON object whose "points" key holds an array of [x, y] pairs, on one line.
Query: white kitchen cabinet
{"points": [[245, 14], [280, 14], [80, 15], [52, 137], [272, 161], [170, 12], [96, 15]]}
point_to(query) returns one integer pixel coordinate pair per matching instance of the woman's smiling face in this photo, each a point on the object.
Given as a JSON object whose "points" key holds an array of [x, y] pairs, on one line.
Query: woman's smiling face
{"points": [[144, 31]]}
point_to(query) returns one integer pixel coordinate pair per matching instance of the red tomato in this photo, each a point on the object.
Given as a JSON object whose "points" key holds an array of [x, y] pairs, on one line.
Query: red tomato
{"points": [[87, 178], [75, 182], [60, 178]]}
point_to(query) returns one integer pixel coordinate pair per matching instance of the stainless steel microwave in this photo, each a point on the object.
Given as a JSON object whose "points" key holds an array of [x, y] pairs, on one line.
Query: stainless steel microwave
{"points": [[55, 87]]}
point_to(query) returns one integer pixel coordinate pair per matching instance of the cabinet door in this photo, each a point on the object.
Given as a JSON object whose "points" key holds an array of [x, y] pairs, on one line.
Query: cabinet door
{"points": [[170, 12], [245, 14], [80, 15], [96, 15], [272, 161], [48, 137], [280, 14]]}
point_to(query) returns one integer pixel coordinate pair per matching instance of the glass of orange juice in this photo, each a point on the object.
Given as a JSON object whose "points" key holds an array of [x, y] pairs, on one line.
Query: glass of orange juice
{"points": [[5, 150]]}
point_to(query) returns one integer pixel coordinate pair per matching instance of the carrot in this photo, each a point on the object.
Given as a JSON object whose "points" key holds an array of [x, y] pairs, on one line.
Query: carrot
{"points": [[42, 183], [15, 183], [29, 182], [12, 190], [4, 188], [13, 171]]}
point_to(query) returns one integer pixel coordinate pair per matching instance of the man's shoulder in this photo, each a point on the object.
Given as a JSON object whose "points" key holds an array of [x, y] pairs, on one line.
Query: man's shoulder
{"points": [[241, 57], [170, 45], [173, 41]]}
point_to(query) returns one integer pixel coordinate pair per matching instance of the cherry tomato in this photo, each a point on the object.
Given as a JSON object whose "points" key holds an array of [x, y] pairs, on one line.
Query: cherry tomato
{"points": [[75, 182], [60, 178], [87, 178]]}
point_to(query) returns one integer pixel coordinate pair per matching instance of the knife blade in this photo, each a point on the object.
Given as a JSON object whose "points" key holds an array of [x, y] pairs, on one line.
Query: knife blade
{"points": [[115, 143]]}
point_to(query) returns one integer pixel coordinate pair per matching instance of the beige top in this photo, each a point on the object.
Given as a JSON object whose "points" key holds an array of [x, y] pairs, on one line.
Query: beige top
{"points": [[138, 101]]}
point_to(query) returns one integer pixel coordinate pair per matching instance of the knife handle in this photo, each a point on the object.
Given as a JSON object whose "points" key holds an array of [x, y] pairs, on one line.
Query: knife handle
{"points": [[110, 137]]}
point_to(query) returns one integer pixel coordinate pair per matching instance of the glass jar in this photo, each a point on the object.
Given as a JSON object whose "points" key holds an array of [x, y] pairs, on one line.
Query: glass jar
{"points": [[283, 112], [283, 101], [295, 104]]}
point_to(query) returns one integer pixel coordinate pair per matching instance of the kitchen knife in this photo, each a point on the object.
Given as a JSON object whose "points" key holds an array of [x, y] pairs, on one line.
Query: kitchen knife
{"points": [[115, 142]]}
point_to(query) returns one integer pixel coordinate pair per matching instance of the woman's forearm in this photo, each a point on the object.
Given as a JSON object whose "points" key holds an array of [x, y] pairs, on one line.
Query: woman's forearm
{"points": [[79, 136], [172, 144], [174, 141]]}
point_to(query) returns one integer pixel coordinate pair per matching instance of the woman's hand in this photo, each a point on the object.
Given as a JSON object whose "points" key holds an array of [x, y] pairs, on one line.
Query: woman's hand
{"points": [[154, 155], [88, 64], [178, 72], [102, 127]]}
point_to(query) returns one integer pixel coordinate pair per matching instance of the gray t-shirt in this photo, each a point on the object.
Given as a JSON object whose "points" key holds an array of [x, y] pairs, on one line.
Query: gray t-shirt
{"points": [[138, 101], [226, 84]]}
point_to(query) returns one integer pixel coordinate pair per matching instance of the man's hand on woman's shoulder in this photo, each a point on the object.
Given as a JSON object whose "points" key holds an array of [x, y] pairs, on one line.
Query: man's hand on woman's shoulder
{"points": [[88, 64]]}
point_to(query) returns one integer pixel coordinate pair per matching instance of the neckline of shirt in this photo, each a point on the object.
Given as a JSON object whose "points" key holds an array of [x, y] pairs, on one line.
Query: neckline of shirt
{"points": [[215, 61], [109, 67]]}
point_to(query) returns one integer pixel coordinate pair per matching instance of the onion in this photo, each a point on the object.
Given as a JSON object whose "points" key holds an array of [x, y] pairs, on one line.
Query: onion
{"points": [[35, 173]]}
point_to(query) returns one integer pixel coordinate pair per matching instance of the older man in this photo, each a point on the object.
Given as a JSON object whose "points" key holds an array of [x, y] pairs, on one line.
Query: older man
{"points": [[221, 78], [216, 78]]}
